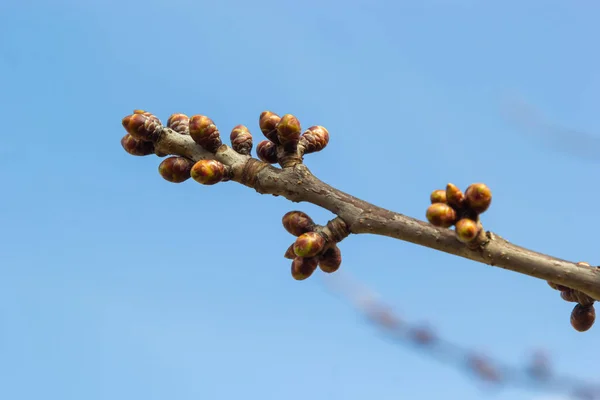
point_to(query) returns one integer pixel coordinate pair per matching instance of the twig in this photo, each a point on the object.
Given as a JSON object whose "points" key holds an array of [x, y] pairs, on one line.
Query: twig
{"points": [[298, 184], [537, 375]]}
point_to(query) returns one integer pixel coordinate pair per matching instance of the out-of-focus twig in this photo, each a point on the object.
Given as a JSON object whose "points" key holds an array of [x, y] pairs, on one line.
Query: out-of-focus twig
{"points": [[532, 121], [537, 375]]}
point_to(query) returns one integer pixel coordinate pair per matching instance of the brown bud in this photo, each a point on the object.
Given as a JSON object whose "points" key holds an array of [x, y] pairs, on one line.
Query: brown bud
{"points": [[568, 295], [309, 244], [176, 169], [268, 125], [303, 268], [241, 139], [289, 253], [438, 196], [314, 139], [136, 147], [204, 132], [297, 223], [288, 132], [467, 230], [478, 197], [180, 123], [149, 115], [441, 214], [267, 151], [583, 317], [331, 260], [142, 126], [208, 172], [454, 196]]}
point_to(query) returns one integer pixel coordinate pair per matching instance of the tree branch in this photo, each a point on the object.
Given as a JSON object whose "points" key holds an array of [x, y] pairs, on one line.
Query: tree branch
{"points": [[298, 184]]}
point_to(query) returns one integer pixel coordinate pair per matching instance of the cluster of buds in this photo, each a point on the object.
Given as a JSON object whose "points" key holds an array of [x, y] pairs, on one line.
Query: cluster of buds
{"points": [[311, 249], [206, 172], [286, 143], [453, 207], [142, 129], [583, 315]]}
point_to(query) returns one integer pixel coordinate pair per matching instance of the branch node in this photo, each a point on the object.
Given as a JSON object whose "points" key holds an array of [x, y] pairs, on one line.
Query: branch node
{"points": [[249, 175], [336, 230]]}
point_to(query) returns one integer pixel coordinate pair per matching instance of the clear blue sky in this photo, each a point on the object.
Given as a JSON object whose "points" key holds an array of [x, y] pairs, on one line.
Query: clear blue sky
{"points": [[116, 284]]}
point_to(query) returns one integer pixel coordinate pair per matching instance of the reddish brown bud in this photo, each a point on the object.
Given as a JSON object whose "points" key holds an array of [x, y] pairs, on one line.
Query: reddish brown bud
{"points": [[314, 139], [454, 196], [136, 147], [268, 125], [441, 214], [297, 223], [331, 260], [568, 295], [467, 230], [288, 132], [204, 132], [583, 317], [208, 172], [241, 139], [309, 244], [142, 126], [478, 197], [438, 196], [303, 268], [176, 169], [289, 253], [267, 151], [180, 123], [148, 114]]}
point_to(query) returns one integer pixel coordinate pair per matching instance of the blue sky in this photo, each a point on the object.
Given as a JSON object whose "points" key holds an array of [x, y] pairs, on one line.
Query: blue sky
{"points": [[116, 284]]}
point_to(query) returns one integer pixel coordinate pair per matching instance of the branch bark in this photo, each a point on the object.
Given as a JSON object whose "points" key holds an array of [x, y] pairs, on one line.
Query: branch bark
{"points": [[298, 184]]}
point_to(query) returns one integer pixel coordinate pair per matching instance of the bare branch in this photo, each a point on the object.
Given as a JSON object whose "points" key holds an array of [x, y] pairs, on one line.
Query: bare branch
{"points": [[298, 184]]}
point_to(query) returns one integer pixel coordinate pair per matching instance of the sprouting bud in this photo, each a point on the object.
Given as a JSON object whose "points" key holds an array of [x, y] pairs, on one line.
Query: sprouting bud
{"points": [[180, 123], [176, 169], [148, 114], [303, 268], [267, 151], [454, 196], [583, 317], [438, 196], [441, 214], [297, 223], [241, 139], [288, 132], [330, 260], [467, 230], [289, 253], [208, 172], [204, 132], [268, 125], [478, 197], [314, 139], [142, 125], [136, 147], [309, 244]]}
